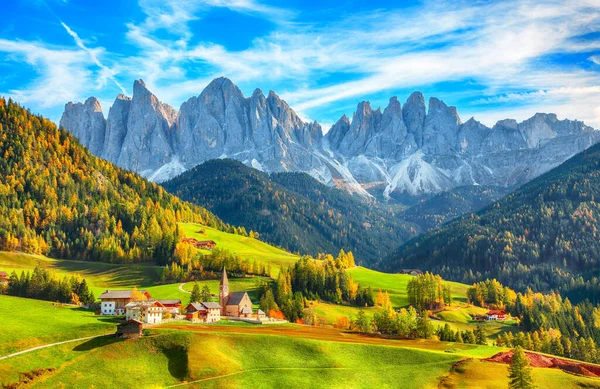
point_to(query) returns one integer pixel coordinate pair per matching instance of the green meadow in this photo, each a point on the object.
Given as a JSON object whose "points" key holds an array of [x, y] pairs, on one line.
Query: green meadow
{"points": [[29, 323], [396, 284], [234, 361], [247, 248], [197, 359]]}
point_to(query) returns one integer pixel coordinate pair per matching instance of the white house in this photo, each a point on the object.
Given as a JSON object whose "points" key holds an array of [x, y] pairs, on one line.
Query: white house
{"points": [[113, 301], [150, 312]]}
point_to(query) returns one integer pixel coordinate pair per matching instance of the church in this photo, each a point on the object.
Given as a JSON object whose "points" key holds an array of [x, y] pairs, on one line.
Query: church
{"points": [[237, 304]]}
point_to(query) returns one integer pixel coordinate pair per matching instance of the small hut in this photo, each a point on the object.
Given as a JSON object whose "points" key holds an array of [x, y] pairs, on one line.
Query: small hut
{"points": [[130, 329]]}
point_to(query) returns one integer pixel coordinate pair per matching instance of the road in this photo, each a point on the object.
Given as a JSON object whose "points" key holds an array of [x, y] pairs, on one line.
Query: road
{"points": [[50, 345], [183, 290]]}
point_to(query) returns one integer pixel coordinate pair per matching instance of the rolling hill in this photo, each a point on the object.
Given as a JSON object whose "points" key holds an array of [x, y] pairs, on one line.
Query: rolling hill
{"points": [[544, 235], [292, 210]]}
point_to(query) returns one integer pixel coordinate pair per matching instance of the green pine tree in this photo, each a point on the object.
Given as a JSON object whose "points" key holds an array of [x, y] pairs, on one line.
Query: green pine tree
{"points": [[196, 295], [519, 371], [205, 294]]}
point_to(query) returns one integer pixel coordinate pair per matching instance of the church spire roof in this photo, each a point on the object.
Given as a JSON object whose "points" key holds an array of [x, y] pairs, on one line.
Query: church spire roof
{"points": [[224, 280]]}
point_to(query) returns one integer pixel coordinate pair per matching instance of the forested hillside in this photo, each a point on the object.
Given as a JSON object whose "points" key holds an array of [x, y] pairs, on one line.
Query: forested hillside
{"points": [[544, 235], [438, 209], [59, 200], [292, 210]]}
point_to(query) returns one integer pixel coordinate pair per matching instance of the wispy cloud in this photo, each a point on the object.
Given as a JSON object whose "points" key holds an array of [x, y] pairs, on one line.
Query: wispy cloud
{"points": [[64, 73], [505, 48], [106, 73]]}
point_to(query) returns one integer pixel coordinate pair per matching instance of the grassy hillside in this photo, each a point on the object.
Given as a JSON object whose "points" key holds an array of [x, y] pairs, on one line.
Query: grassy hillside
{"points": [[245, 360], [396, 284], [271, 357], [100, 276], [245, 247], [33, 323]]}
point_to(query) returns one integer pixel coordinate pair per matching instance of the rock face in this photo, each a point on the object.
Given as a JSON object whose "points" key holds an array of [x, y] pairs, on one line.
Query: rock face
{"points": [[406, 148], [87, 123]]}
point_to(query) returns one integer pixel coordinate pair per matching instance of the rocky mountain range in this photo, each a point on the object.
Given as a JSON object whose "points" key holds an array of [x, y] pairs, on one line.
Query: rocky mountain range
{"points": [[409, 149]]}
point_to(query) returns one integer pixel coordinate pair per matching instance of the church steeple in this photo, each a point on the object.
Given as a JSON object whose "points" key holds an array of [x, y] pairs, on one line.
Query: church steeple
{"points": [[223, 291]]}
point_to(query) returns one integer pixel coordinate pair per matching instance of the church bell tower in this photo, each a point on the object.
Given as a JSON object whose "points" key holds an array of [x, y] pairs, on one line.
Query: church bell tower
{"points": [[223, 291]]}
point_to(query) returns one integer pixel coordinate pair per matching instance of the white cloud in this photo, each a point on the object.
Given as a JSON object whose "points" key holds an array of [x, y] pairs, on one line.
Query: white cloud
{"points": [[500, 46], [64, 74], [106, 72]]}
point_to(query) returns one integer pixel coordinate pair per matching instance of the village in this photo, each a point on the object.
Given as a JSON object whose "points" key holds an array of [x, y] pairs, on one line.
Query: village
{"points": [[141, 310]]}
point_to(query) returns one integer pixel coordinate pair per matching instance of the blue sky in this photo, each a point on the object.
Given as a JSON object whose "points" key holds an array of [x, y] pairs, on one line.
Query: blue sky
{"points": [[492, 60]]}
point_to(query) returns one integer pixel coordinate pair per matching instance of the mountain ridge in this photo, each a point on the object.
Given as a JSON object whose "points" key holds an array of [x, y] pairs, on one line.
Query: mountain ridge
{"points": [[543, 235], [405, 148]]}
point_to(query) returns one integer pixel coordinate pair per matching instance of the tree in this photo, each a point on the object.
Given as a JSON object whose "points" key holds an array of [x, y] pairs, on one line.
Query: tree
{"points": [[136, 295], [205, 294], [267, 301], [519, 371], [479, 336], [196, 295], [362, 322]]}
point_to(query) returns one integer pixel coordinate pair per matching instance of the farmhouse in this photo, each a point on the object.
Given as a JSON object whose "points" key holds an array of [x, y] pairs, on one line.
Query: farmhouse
{"points": [[200, 244], [146, 311], [496, 314], [130, 329], [237, 304], [412, 272], [207, 312], [171, 306], [4, 277], [205, 244], [113, 301]]}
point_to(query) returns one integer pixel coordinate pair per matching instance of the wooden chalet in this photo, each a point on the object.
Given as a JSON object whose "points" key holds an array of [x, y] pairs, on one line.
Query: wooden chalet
{"points": [[130, 329], [200, 244], [207, 312], [412, 272], [496, 314]]}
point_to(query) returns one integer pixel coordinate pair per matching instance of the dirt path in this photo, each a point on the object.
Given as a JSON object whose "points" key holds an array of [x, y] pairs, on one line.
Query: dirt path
{"points": [[315, 333], [251, 370], [183, 290], [50, 345]]}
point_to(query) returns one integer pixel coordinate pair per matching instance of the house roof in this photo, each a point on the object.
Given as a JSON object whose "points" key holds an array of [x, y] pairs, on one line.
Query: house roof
{"points": [[170, 302], [260, 312], [246, 310], [235, 298], [196, 306], [143, 304], [206, 242], [119, 294], [3, 274], [211, 305], [496, 312]]}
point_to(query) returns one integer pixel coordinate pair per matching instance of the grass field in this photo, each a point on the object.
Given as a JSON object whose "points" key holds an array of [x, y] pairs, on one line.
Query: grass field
{"points": [[248, 360], [33, 323], [396, 284], [248, 248], [476, 374], [291, 356]]}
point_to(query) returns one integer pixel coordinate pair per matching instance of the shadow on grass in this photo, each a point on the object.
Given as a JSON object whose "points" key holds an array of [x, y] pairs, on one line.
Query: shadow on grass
{"points": [[115, 320], [101, 341]]}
